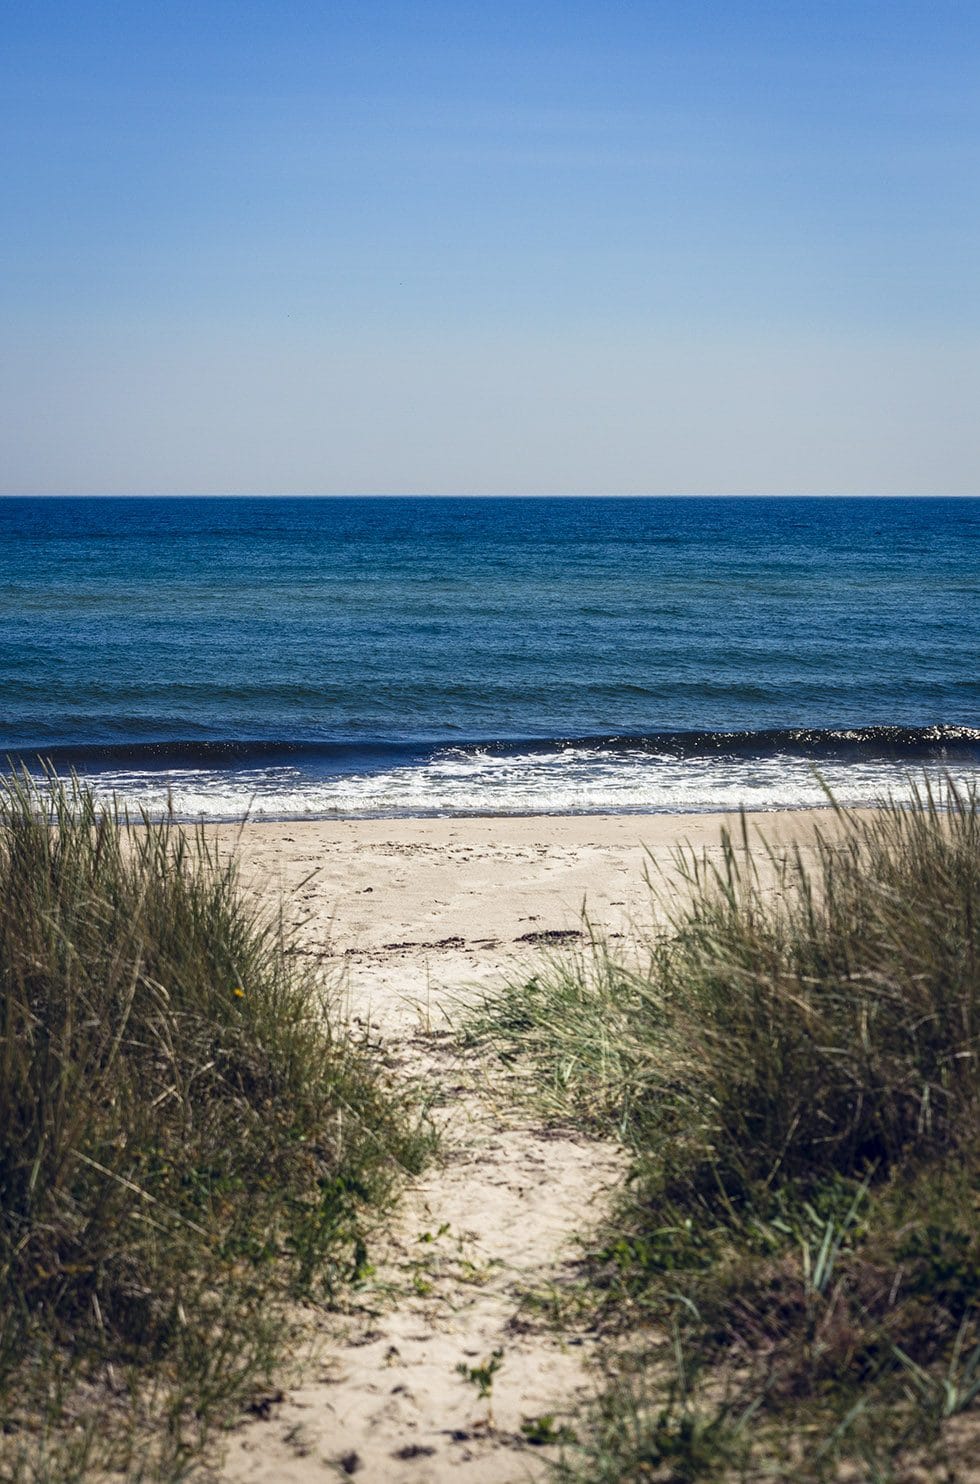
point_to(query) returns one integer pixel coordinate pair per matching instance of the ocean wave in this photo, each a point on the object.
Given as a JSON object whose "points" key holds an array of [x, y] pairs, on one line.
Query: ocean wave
{"points": [[568, 780], [938, 741]]}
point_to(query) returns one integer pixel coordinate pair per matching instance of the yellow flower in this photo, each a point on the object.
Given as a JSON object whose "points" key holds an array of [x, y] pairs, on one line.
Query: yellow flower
{"points": [[238, 992]]}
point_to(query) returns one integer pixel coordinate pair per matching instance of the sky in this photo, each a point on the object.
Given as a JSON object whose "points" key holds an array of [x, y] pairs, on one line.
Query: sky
{"points": [[575, 246]]}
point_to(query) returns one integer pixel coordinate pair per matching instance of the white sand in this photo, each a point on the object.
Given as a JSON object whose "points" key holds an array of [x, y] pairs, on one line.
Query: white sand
{"points": [[415, 915]]}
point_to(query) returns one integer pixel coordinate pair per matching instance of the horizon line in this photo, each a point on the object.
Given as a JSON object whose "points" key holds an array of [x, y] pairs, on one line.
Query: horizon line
{"points": [[496, 495]]}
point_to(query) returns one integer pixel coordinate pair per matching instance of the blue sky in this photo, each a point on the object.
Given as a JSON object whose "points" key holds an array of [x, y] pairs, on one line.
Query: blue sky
{"points": [[693, 245]]}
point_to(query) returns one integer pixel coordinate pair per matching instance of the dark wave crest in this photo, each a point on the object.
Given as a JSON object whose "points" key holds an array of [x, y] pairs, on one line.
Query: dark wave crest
{"points": [[896, 743]]}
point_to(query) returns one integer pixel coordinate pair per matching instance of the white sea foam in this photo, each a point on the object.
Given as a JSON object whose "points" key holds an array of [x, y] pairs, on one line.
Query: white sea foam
{"points": [[573, 780]]}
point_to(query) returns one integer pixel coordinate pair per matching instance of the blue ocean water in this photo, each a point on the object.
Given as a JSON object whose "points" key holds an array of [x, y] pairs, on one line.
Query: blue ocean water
{"points": [[384, 656]]}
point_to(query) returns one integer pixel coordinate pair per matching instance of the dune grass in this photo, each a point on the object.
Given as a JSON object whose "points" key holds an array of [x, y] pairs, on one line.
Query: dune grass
{"points": [[186, 1144], [794, 1065]]}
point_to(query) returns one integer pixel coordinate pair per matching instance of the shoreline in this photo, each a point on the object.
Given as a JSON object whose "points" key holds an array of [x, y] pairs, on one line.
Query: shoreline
{"points": [[405, 817], [522, 787]]}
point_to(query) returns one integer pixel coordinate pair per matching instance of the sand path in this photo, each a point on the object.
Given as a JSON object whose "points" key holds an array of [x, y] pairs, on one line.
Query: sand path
{"points": [[416, 916]]}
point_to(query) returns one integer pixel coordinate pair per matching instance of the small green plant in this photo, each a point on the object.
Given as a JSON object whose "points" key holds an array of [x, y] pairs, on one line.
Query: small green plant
{"points": [[544, 1431], [481, 1376], [429, 1237]]}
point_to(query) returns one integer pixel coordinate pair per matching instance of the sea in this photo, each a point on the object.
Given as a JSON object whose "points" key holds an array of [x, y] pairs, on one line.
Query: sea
{"points": [[349, 657]]}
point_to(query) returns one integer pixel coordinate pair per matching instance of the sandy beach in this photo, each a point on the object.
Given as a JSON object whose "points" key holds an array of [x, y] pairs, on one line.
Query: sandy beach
{"points": [[412, 919]]}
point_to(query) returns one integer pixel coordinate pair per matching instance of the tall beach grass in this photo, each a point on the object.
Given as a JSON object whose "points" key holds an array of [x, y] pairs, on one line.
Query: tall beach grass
{"points": [[187, 1144], [793, 1061]]}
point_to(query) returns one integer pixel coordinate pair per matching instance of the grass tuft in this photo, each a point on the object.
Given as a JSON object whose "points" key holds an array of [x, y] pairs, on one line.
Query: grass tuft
{"points": [[186, 1145], [795, 1068]]}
